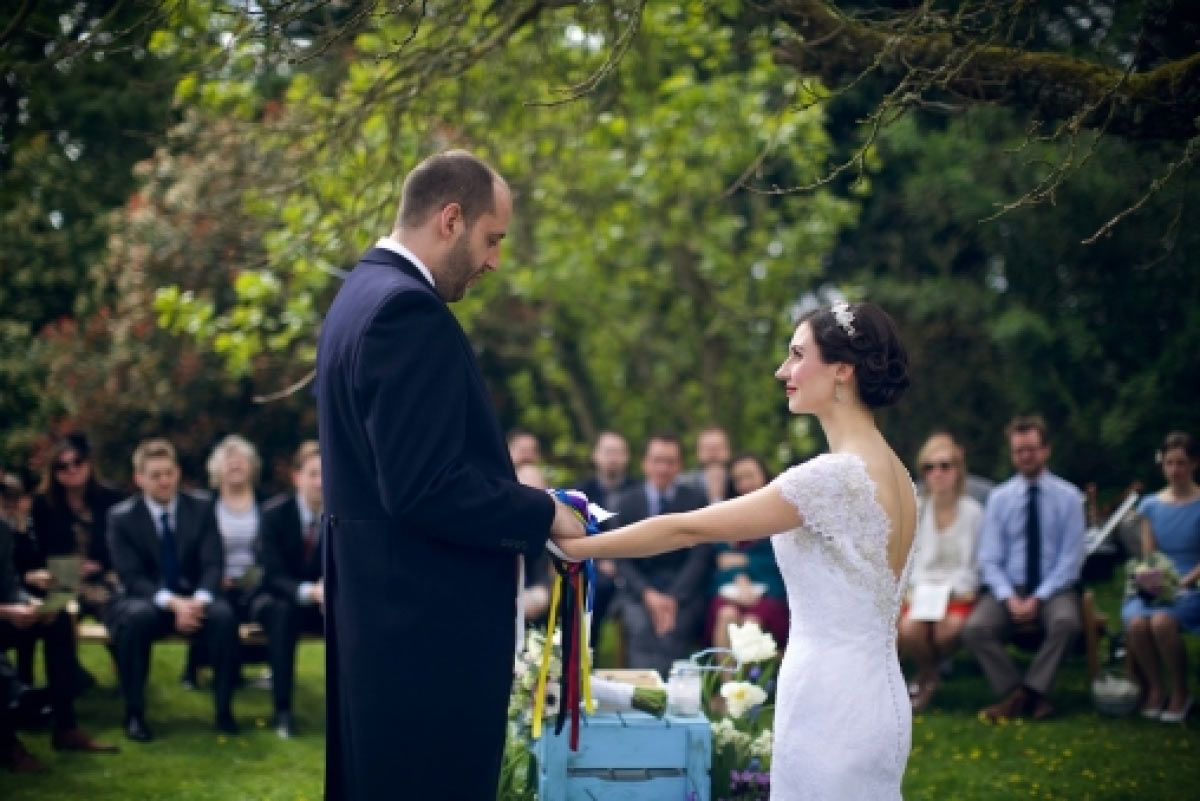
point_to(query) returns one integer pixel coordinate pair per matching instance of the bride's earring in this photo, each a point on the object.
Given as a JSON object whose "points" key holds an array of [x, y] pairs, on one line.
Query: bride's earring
{"points": [[837, 392]]}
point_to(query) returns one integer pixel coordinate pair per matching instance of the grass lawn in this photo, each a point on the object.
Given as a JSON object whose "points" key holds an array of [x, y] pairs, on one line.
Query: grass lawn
{"points": [[1078, 755]]}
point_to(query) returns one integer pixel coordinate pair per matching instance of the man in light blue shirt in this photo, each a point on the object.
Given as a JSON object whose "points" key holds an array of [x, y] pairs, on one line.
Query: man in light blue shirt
{"points": [[1031, 553]]}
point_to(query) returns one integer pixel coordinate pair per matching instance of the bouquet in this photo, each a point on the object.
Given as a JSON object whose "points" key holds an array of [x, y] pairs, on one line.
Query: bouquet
{"points": [[1152, 578]]}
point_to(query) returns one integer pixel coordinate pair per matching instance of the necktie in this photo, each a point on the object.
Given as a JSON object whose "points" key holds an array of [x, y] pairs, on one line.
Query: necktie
{"points": [[167, 555], [310, 539], [1033, 542]]}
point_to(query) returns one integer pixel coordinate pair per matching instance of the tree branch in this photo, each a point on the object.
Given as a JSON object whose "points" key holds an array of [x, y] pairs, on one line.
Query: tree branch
{"points": [[1160, 104]]}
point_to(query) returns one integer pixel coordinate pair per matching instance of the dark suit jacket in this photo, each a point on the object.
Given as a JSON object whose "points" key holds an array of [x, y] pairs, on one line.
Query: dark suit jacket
{"points": [[134, 545], [423, 523], [281, 548], [598, 494], [681, 574], [10, 585], [53, 526]]}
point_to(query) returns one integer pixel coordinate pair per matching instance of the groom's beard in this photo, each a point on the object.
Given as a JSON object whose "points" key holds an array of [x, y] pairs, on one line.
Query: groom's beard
{"points": [[457, 271]]}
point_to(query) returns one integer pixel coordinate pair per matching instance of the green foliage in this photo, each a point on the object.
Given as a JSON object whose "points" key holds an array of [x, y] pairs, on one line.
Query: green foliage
{"points": [[1013, 315], [637, 291], [72, 124]]}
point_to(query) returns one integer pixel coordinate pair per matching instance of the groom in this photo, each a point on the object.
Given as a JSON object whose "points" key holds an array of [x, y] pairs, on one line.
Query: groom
{"points": [[424, 522]]}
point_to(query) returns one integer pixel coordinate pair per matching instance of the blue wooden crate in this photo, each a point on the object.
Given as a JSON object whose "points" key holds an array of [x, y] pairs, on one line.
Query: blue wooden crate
{"points": [[626, 756]]}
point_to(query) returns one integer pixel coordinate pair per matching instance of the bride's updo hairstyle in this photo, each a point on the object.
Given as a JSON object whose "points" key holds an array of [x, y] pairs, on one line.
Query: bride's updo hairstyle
{"points": [[862, 335]]}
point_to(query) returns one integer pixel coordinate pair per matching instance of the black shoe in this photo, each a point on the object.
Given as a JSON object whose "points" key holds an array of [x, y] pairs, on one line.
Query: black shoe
{"points": [[137, 730], [226, 724], [284, 726]]}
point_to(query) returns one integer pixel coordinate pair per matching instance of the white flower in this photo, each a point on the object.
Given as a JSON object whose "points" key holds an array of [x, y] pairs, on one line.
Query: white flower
{"points": [[761, 745], [740, 696], [751, 644], [726, 734]]}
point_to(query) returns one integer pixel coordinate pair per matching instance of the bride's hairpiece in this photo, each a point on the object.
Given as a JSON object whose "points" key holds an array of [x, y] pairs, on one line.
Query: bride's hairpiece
{"points": [[845, 318]]}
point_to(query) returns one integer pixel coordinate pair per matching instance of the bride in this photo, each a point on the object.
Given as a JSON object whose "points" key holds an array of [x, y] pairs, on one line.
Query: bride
{"points": [[843, 527]]}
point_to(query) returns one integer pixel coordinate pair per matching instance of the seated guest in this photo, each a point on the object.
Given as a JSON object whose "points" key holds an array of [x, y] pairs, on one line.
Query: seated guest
{"points": [[20, 617], [1031, 553], [610, 457], [70, 515], [662, 597], [711, 477], [944, 546], [29, 561], [233, 471], [294, 592], [168, 555], [747, 586], [1171, 527], [524, 448]]}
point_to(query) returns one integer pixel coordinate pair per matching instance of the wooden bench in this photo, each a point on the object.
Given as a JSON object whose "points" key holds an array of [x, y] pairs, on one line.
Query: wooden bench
{"points": [[248, 633]]}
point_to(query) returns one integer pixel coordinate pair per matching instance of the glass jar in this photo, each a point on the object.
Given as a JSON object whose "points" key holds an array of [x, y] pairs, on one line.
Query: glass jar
{"points": [[683, 689]]}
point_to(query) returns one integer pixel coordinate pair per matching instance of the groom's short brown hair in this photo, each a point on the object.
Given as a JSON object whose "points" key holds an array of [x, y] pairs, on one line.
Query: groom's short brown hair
{"points": [[454, 176]]}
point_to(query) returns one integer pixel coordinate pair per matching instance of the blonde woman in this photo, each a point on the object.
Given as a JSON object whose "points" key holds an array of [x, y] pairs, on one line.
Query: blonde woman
{"points": [[948, 525], [233, 472]]}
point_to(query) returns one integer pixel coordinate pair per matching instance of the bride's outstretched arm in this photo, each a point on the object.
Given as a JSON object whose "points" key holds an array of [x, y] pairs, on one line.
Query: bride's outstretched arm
{"points": [[760, 514]]}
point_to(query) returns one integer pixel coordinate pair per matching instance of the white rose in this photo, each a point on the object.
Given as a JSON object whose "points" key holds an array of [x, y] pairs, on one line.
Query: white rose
{"points": [[740, 696], [751, 644]]}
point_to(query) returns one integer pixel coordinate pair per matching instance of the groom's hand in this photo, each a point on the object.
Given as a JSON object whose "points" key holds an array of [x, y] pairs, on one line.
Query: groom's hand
{"points": [[566, 524]]}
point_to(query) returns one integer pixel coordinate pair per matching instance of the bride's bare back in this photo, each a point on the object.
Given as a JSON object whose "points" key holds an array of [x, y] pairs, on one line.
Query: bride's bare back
{"points": [[894, 493]]}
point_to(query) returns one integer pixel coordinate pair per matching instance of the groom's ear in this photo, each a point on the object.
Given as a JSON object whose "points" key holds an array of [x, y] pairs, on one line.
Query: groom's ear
{"points": [[450, 220]]}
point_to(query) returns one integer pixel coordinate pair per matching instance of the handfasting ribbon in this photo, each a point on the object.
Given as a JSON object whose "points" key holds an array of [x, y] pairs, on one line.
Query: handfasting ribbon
{"points": [[574, 586], [539, 698]]}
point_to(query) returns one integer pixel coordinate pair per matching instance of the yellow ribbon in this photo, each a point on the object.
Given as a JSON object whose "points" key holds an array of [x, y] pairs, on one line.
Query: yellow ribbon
{"points": [[539, 698], [585, 670]]}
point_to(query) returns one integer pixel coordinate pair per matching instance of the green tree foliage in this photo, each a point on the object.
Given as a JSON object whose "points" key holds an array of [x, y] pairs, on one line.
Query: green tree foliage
{"points": [[72, 123], [1011, 315], [637, 292], [114, 371]]}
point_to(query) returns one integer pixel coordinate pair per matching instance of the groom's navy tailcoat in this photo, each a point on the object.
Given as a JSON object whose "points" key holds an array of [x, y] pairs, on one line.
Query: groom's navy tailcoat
{"points": [[423, 523]]}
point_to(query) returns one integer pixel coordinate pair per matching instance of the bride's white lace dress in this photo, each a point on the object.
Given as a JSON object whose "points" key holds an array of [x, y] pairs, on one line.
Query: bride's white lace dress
{"points": [[843, 720]]}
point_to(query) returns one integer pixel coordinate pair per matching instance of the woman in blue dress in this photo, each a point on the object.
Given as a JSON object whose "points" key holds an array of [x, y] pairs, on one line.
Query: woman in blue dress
{"points": [[1171, 526]]}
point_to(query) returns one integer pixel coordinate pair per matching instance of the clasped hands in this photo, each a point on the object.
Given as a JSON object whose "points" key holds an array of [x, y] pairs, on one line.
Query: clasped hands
{"points": [[1023, 610], [24, 615], [189, 614], [566, 524]]}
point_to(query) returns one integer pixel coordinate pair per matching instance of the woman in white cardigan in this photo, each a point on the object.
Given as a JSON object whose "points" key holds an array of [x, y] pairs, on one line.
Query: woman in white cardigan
{"points": [[944, 549]]}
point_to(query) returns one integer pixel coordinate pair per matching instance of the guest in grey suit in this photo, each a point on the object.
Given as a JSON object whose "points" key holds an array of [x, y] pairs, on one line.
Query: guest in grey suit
{"points": [[662, 598]]}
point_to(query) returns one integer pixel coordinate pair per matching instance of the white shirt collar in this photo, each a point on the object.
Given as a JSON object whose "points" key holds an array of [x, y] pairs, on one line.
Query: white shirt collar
{"points": [[157, 509], [306, 515], [387, 243]]}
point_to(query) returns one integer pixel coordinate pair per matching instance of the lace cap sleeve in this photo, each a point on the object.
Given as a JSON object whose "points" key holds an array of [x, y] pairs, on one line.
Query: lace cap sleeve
{"points": [[825, 490]]}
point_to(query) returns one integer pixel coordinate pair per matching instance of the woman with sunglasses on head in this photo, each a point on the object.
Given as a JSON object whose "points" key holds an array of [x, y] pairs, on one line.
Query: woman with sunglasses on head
{"points": [[948, 525]]}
